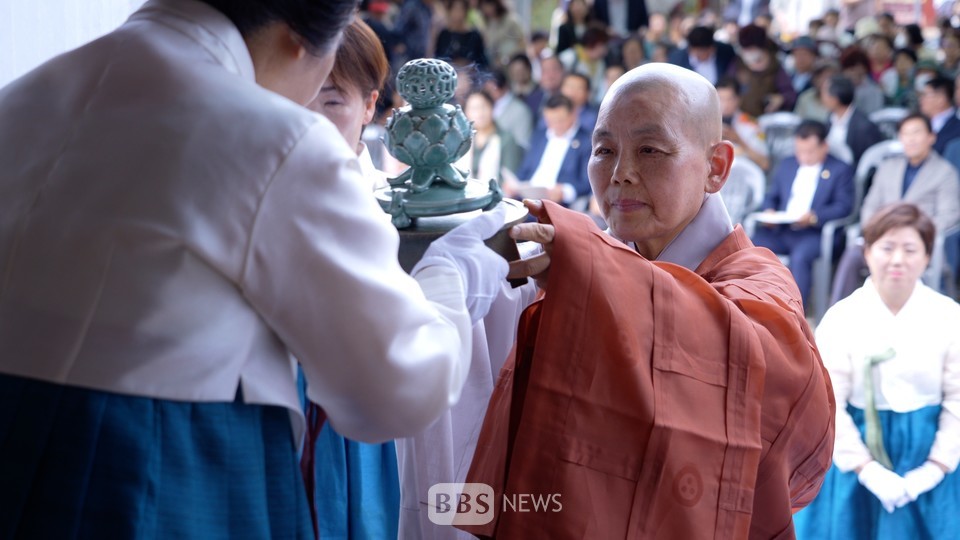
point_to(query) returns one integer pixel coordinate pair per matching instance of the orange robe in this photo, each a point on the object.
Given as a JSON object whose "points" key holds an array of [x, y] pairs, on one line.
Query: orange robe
{"points": [[655, 401]]}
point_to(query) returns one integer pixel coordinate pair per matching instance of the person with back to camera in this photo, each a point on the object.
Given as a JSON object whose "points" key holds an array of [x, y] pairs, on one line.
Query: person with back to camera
{"points": [[175, 226], [893, 352], [357, 488]]}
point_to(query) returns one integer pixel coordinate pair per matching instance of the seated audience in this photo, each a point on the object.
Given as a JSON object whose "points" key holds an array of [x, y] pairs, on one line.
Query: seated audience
{"points": [[459, 43], [556, 164], [921, 177], [851, 131], [704, 54], [804, 54], [510, 112], [807, 190], [740, 128], [855, 64], [936, 103], [809, 106], [494, 154], [766, 86]]}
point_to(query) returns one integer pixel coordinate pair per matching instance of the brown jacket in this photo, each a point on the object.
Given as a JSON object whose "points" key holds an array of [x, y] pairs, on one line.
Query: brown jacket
{"points": [[655, 401]]}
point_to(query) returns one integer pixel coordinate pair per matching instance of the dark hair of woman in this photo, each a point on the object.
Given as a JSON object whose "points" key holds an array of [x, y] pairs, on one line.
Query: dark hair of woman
{"points": [[317, 22], [896, 216]]}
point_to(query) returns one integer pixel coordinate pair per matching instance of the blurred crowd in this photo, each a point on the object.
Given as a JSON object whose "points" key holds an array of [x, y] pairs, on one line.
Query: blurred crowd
{"points": [[534, 95]]}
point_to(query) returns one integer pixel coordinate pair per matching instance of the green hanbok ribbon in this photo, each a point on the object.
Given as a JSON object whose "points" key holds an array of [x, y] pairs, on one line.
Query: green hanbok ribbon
{"points": [[874, 431]]}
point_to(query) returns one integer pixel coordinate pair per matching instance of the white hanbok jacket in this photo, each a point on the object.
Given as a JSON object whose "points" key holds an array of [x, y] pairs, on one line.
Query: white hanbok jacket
{"points": [[925, 334], [170, 229]]}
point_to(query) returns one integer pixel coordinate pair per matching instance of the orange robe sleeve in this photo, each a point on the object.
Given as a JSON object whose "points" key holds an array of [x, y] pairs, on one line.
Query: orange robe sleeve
{"points": [[657, 402]]}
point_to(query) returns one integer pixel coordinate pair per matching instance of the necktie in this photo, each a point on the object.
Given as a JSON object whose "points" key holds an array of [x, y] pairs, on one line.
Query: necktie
{"points": [[874, 431]]}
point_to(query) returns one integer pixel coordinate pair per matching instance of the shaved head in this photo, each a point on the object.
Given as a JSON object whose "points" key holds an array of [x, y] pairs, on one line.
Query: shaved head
{"points": [[692, 91], [657, 153]]}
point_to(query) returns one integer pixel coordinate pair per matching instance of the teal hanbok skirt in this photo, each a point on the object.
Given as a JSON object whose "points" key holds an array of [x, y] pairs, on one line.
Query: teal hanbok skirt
{"points": [[845, 510], [85, 464]]}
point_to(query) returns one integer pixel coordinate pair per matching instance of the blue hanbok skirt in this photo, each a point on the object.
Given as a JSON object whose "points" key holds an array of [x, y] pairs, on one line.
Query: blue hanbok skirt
{"points": [[357, 489], [846, 510], [78, 463]]}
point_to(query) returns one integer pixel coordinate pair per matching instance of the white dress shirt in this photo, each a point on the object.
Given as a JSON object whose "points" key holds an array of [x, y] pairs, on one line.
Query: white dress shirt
{"points": [[707, 68], [925, 335], [170, 229], [746, 13], [549, 168], [375, 177], [803, 189], [939, 120], [618, 17], [837, 137]]}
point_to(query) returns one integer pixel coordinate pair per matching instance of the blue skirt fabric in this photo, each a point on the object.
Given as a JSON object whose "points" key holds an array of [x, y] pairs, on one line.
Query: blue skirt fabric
{"points": [[844, 509], [78, 463], [357, 489]]}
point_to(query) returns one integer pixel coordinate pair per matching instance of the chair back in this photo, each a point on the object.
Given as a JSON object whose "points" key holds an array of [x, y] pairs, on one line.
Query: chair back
{"points": [[887, 119], [778, 129], [868, 164], [744, 190]]}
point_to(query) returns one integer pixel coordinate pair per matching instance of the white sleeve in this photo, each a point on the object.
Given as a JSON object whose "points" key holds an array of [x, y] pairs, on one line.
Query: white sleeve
{"points": [[946, 445], [849, 450], [383, 357]]}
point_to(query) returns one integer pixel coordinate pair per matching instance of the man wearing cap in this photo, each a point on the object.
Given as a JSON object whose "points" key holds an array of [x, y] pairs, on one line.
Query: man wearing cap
{"points": [[804, 54]]}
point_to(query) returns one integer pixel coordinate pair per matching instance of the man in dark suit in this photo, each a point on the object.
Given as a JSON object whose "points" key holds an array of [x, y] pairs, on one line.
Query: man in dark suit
{"points": [[555, 167], [610, 13], [807, 191], [703, 54], [851, 132], [936, 103], [744, 13]]}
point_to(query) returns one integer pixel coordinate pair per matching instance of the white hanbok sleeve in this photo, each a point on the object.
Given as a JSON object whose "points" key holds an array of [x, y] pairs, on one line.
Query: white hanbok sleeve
{"points": [[946, 445], [849, 450], [383, 355]]}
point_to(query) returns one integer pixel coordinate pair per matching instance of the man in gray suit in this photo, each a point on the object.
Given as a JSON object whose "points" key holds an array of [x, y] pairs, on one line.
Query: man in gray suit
{"points": [[920, 176]]}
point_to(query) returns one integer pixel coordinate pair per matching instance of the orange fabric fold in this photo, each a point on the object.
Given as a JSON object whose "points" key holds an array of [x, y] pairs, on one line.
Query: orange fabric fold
{"points": [[657, 402]]}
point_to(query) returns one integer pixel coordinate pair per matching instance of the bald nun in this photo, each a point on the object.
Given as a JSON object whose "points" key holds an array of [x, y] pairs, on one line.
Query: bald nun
{"points": [[666, 385]]}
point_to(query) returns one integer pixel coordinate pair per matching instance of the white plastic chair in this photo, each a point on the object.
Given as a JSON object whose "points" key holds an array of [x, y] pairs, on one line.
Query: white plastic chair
{"points": [[939, 275], [778, 129], [888, 119], [822, 271], [743, 193]]}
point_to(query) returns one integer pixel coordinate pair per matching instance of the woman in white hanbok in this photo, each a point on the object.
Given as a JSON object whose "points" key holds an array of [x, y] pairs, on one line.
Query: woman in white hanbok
{"points": [[893, 352], [175, 226]]}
